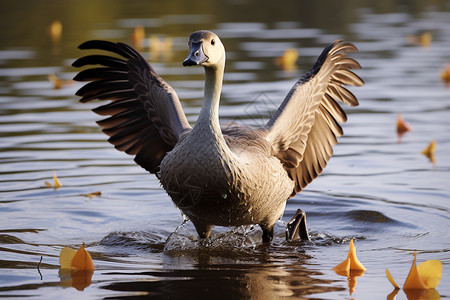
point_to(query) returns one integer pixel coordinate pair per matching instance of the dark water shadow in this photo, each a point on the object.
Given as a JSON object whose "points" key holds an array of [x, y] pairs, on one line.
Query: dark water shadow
{"points": [[217, 277], [231, 265]]}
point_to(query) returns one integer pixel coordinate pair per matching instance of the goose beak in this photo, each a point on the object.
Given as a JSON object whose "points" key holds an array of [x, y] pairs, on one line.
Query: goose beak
{"points": [[195, 56]]}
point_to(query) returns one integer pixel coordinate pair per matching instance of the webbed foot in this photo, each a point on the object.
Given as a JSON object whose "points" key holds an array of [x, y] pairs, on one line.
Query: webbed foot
{"points": [[296, 227]]}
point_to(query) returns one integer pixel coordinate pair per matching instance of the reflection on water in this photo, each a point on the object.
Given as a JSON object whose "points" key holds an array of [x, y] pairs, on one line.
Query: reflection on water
{"points": [[386, 195]]}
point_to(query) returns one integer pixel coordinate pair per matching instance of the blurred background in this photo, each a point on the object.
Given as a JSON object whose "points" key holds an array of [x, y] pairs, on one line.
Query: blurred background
{"points": [[380, 188]]}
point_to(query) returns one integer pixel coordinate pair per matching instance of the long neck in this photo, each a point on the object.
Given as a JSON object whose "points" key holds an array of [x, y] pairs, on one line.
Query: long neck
{"points": [[209, 114]]}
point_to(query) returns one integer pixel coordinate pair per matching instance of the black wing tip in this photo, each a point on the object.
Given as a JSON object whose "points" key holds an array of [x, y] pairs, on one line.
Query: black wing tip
{"points": [[95, 44], [92, 44], [330, 50], [118, 48]]}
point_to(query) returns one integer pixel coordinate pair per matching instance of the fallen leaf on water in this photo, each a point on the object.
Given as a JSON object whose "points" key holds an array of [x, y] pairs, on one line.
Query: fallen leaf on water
{"points": [[288, 61], [57, 184], [430, 272], [391, 279], [350, 263], [55, 31], [71, 259], [429, 151], [160, 47], [56, 180], [423, 39], [413, 281], [426, 275], [445, 75], [138, 37], [65, 257], [76, 269], [92, 195], [350, 267], [59, 83], [402, 126]]}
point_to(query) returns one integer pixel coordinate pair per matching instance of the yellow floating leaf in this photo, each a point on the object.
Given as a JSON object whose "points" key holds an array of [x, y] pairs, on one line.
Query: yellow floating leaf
{"points": [[154, 46], [59, 83], [350, 264], [425, 39], [138, 37], [56, 180], [430, 272], [391, 279], [429, 151], [413, 281], [343, 268], [82, 260], [402, 126], [160, 47], [288, 61], [55, 31], [48, 184], [355, 264], [168, 44], [65, 257]]}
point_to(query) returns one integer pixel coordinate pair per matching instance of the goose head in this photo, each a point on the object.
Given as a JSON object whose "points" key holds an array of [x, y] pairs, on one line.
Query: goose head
{"points": [[205, 49]]}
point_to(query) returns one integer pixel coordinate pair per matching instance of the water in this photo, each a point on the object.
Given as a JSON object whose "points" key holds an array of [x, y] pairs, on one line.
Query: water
{"points": [[377, 189]]}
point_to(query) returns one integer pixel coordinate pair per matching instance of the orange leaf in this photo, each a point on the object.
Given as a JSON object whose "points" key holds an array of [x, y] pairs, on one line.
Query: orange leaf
{"points": [[391, 279], [138, 36], [82, 260], [413, 281], [343, 268], [402, 126], [92, 195], [351, 263], [445, 75], [355, 264], [59, 83]]}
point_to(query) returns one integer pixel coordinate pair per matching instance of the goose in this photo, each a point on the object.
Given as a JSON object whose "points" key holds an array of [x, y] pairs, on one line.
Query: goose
{"points": [[217, 175]]}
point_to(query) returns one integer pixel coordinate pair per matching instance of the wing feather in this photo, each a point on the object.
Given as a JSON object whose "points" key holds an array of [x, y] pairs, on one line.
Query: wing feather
{"points": [[305, 128], [145, 115]]}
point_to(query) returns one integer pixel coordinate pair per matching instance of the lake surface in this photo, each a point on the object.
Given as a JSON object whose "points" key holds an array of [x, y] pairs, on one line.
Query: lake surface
{"points": [[377, 189]]}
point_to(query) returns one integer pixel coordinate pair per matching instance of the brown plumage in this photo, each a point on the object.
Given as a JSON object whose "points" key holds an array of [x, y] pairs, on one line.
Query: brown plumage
{"points": [[227, 176]]}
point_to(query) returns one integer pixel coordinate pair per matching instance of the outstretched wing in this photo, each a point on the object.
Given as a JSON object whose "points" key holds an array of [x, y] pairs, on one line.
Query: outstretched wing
{"points": [[146, 117], [304, 129]]}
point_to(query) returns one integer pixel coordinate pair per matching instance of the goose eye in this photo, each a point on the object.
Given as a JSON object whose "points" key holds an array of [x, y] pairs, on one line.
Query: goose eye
{"points": [[213, 42]]}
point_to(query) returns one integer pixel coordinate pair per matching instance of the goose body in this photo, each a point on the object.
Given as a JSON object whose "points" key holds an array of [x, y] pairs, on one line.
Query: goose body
{"points": [[226, 176]]}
